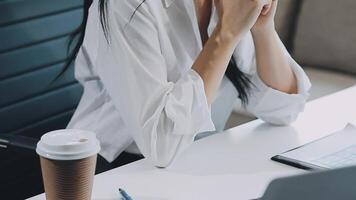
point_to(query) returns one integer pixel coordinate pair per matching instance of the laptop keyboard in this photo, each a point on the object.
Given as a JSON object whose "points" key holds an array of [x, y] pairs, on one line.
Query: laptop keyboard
{"points": [[343, 158]]}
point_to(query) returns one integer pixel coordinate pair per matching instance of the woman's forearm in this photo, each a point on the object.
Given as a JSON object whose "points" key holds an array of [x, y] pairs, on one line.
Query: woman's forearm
{"points": [[273, 65], [213, 60]]}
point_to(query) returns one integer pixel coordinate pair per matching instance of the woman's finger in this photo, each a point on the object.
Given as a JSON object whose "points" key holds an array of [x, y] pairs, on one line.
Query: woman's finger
{"points": [[265, 9], [266, 6], [270, 9], [274, 6]]}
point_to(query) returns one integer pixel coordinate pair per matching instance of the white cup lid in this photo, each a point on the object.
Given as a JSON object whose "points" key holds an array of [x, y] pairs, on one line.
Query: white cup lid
{"points": [[68, 144]]}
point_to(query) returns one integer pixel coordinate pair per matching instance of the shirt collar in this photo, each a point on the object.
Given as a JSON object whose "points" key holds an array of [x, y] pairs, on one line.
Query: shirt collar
{"points": [[168, 3]]}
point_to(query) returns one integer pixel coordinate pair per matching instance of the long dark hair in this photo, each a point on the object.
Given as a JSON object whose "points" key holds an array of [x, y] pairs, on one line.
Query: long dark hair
{"points": [[241, 82]]}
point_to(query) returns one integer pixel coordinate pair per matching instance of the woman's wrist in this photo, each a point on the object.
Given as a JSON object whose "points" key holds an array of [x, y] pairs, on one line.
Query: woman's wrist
{"points": [[213, 60], [263, 32], [226, 36], [263, 36]]}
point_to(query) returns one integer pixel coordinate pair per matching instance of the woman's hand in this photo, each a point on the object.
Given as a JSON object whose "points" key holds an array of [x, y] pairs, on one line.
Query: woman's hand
{"points": [[237, 17], [265, 21]]}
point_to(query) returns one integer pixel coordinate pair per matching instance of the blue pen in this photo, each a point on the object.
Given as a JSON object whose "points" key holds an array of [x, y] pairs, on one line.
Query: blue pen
{"points": [[124, 194]]}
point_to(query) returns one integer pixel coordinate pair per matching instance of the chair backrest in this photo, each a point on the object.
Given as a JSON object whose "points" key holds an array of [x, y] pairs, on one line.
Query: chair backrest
{"points": [[286, 20], [34, 36]]}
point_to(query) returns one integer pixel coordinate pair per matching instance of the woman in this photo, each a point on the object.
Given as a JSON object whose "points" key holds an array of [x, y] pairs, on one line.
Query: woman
{"points": [[158, 72]]}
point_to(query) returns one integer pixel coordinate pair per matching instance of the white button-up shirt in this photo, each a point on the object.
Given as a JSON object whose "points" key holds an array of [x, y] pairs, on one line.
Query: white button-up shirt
{"points": [[140, 87]]}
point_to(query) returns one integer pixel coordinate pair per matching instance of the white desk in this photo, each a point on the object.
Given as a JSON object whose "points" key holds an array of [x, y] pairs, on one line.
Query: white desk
{"points": [[233, 165]]}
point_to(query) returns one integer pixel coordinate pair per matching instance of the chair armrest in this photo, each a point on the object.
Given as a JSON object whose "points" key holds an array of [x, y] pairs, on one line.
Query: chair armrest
{"points": [[18, 143]]}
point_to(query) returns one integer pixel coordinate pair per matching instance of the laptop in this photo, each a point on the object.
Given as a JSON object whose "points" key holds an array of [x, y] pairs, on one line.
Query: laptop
{"points": [[338, 184]]}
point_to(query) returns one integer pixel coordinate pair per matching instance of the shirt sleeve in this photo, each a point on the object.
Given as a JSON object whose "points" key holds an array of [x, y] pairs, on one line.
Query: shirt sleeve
{"points": [[163, 116], [266, 103]]}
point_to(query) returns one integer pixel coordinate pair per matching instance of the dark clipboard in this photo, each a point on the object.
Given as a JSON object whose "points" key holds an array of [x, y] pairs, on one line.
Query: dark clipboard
{"points": [[296, 163]]}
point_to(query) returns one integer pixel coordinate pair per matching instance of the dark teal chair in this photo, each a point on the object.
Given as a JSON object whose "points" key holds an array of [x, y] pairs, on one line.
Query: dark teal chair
{"points": [[34, 39]]}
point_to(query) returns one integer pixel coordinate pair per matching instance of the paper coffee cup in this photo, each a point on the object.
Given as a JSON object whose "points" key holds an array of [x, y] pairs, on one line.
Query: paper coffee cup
{"points": [[68, 160]]}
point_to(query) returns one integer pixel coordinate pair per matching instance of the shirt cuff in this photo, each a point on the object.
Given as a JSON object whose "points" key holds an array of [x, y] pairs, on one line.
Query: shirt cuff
{"points": [[201, 112], [263, 98]]}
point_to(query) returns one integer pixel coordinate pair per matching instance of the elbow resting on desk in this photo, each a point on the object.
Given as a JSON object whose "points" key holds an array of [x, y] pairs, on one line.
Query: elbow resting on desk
{"points": [[281, 120], [165, 148], [180, 111], [283, 116], [165, 136], [283, 113], [163, 160]]}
